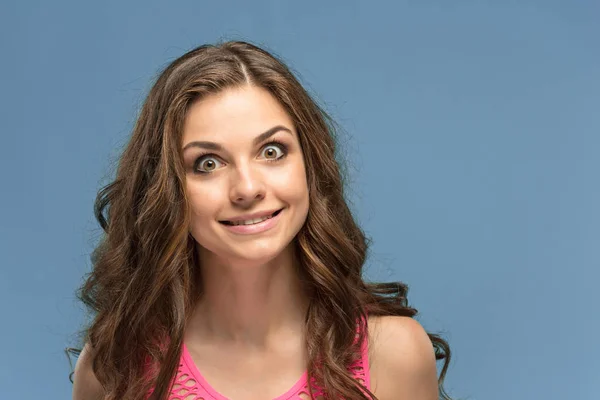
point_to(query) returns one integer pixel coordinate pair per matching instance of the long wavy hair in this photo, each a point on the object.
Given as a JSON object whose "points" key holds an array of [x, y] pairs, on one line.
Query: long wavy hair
{"points": [[145, 275]]}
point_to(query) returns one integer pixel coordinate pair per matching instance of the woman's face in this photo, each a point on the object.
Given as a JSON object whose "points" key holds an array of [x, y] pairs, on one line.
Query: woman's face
{"points": [[242, 156]]}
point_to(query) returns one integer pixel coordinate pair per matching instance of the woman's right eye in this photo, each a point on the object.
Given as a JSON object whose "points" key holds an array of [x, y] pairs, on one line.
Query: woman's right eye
{"points": [[205, 165]]}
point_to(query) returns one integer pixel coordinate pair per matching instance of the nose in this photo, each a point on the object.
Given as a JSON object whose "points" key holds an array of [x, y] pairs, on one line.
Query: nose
{"points": [[247, 187]]}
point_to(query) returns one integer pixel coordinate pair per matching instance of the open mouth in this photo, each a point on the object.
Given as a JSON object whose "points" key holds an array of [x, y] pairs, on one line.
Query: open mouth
{"points": [[251, 222]]}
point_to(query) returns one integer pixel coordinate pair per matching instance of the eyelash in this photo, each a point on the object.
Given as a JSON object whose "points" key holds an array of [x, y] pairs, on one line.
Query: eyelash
{"points": [[201, 157]]}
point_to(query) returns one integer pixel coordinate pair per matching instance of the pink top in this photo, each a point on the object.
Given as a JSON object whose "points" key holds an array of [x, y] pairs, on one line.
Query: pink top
{"points": [[191, 385]]}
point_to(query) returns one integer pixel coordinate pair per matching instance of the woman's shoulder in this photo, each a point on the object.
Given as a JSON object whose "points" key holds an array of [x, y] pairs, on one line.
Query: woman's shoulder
{"points": [[402, 359], [85, 384]]}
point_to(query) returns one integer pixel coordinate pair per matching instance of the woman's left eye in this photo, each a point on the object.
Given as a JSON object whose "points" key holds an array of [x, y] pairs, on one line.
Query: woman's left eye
{"points": [[271, 151]]}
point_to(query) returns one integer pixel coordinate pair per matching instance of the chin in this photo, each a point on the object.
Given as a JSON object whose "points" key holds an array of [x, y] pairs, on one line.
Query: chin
{"points": [[257, 255]]}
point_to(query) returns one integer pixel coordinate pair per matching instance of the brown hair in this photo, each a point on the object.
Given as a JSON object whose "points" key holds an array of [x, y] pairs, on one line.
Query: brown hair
{"points": [[145, 277]]}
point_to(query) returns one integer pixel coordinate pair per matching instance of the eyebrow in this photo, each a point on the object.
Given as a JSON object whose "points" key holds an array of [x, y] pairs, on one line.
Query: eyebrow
{"points": [[217, 147]]}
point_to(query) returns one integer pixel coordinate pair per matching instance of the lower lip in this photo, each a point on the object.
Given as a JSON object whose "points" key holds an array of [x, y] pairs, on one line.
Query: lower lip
{"points": [[254, 228]]}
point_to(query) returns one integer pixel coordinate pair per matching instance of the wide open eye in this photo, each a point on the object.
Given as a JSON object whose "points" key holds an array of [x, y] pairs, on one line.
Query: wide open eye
{"points": [[206, 164], [274, 151]]}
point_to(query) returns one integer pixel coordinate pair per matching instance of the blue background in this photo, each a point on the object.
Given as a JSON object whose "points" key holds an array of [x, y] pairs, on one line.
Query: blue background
{"points": [[471, 128]]}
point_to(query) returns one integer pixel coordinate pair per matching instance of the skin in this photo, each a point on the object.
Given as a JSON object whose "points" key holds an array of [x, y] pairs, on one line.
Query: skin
{"points": [[246, 334], [250, 318]]}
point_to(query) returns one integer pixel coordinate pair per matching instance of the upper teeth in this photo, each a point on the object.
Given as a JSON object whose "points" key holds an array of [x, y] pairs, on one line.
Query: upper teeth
{"points": [[250, 221]]}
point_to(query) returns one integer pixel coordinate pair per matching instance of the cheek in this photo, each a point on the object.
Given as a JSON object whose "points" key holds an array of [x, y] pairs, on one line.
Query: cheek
{"points": [[204, 200], [292, 186]]}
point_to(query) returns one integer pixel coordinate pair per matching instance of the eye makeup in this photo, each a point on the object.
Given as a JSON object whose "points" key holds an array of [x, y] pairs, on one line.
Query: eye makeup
{"points": [[205, 156]]}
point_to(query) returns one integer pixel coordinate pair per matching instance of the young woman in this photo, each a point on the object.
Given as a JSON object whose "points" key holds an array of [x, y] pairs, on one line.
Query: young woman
{"points": [[231, 264]]}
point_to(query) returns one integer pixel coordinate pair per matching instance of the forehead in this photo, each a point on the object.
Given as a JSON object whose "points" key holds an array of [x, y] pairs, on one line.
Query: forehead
{"points": [[234, 113]]}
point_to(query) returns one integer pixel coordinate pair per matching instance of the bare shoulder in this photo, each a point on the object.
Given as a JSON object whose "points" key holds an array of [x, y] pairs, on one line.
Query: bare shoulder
{"points": [[85, 384], [402, 360]]}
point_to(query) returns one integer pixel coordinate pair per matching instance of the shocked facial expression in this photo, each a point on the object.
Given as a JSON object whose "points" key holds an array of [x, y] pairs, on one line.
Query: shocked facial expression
{"points": [[243, 164]]}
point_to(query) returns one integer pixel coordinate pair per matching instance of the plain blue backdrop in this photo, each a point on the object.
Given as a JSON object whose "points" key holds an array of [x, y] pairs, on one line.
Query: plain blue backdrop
{"points": [[472, 131]]}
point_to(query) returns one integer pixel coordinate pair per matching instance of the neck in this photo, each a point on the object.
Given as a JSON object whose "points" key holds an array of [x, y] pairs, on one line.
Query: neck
{"points": [[250, 305]]}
